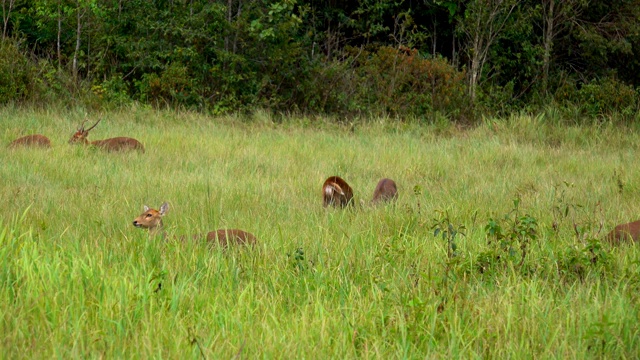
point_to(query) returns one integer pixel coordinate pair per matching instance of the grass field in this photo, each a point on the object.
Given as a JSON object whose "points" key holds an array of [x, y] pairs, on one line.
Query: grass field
{"points": [[77, 280]]}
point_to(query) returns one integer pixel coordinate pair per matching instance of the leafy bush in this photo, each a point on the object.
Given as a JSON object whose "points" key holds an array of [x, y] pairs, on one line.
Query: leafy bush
{"points": [[401, 81], [16, 73], [112, 91], [600, 97], [331, 88], [510, 240], [577, 262], [607, 96], [174, 86]]}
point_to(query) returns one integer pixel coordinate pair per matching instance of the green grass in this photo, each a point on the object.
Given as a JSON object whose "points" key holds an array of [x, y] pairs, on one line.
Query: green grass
{"points": [[78, 280]]}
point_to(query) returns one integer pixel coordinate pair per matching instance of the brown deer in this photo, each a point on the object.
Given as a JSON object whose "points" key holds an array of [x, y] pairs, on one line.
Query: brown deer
{"points": [[386, 190], [336, 192], [35, 140], [624, 232], [151, 219], [112, 144]]}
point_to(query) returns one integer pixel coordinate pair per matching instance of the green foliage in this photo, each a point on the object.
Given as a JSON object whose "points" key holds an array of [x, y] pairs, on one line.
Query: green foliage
{"points": [[397, 58], [112, 91], [607, 97], [404, 82], [174, 87], [509, 240], [600, 99], [442, 227], [587, 259], [17, 73]]}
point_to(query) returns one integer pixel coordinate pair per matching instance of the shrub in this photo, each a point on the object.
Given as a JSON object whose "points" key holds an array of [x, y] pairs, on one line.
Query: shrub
{"points": [[389, 81], [16, 73], [599, 97], [402, 82], [112, 91], [173, 86]]}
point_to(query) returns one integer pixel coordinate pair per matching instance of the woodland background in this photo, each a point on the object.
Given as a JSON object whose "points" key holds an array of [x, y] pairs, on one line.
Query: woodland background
{"points": [[402, 58]]}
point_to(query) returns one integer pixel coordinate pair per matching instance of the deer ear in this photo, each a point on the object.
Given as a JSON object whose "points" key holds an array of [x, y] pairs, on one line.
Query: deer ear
{"points": [[145, 208], [164, 208]]}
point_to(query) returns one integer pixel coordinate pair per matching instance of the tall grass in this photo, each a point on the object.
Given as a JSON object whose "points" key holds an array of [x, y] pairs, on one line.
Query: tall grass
{"points": [[78, 280]]}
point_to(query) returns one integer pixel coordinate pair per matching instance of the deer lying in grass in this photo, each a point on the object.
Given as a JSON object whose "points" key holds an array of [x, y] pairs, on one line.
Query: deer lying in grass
{"points": [[112, 144], [35, 140], [386, 190], [624, 232], [151, 219], [336, 192]]}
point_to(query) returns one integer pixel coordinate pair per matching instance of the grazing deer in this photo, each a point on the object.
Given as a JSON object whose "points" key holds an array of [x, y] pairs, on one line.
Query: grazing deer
{"points": [[112, 144], [35, 140], [624, 232], [151, 219], [386, 190], [336, 192]]}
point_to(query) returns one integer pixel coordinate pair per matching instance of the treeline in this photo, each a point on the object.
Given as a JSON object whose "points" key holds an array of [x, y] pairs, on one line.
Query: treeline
{"points": [[416, 58]]}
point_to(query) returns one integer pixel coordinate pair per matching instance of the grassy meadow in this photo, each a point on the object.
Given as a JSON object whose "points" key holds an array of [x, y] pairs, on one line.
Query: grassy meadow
{"points": [[78, 280]]}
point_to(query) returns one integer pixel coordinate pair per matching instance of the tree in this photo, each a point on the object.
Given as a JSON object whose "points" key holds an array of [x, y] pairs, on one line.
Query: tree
{"points": [[7, 7], [556, 17], [483, 22]]}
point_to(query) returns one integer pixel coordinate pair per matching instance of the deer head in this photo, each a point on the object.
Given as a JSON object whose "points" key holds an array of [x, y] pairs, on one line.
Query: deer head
{"points": [[80, 136], [151, 219]]}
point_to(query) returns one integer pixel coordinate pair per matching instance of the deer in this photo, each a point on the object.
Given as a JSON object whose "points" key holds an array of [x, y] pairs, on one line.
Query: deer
{"points": [[151, 219], [35, 140], [112, 144], [624, 232], [337, 193], [386, 190]]}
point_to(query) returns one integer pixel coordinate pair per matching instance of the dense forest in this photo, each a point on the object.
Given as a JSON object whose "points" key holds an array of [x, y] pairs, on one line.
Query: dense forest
{"points": [[419, 58]]}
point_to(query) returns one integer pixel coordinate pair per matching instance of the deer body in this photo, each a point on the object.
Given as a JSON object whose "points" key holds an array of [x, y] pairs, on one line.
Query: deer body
{"points": [[118, 144], [226, 237], [35, 140], [624, 232], [336, 192], [112, 144], [151, 219], [386, 190]]}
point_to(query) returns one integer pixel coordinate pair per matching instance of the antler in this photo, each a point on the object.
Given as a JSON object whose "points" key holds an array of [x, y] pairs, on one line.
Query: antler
{"points": [[94, 125], [81, 128]]}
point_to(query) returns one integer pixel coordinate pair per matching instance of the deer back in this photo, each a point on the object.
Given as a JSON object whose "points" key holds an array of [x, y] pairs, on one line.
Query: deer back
{"points": [[336, 192], [386, 190], [35, 140], [227, 237], [624, 232], [119, 144]]}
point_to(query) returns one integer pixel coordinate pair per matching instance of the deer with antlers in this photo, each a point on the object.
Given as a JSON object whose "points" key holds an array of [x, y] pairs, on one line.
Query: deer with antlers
{"points": [[35, 140], [112, 144], [151, 219]]}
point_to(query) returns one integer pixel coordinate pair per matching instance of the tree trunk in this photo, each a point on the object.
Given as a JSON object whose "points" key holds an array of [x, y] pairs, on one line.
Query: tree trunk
{"points": [[235, 38], [77, 49], [6, 13], [226, 37], [59, 35], [476, 67], [489, 18], [433, 48], [548, 44]]}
